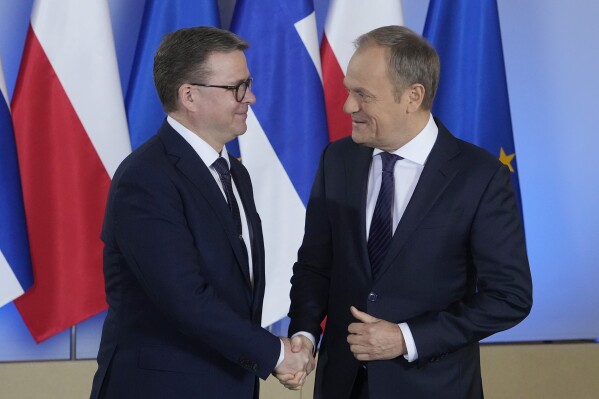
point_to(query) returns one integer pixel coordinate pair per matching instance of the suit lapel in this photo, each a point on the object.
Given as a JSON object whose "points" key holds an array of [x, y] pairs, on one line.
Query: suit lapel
{"points": [[191, 165], [435, 178], [357, 165]]}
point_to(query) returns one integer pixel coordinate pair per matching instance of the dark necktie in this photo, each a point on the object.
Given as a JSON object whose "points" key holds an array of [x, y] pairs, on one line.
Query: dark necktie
{"points": [[222, 168], [381, 227]]}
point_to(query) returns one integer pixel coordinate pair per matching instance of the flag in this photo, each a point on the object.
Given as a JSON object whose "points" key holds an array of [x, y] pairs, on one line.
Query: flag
{"points": [[346, 20], [144, 111], [472, 99], [71, 134], [16, 275], [286, 130]]}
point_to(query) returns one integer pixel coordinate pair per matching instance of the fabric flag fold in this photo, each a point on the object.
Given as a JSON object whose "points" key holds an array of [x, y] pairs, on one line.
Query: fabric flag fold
{"points": [[286, 130], [346, 20], [71, 134], [467, 36], [144, 112], [16, 275]]}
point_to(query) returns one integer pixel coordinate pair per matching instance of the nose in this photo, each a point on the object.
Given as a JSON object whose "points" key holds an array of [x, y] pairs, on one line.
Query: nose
{"points": [[250, 97], [351, 105]]}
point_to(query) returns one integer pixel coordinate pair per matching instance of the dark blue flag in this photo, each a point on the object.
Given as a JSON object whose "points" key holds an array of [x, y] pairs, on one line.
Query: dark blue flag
{"points": [[472, 100], [15, 261], [144, 112]]}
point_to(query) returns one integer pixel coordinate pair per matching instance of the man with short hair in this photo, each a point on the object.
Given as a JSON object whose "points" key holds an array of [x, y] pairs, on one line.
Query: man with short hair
{"points": [[184, 254], [413, 245]]}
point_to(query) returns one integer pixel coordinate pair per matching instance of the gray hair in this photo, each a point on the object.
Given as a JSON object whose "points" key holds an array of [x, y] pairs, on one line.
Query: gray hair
{"points": [[411, 59]]}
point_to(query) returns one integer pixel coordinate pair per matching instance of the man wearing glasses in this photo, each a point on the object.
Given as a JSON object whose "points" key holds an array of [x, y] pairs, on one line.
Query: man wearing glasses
{"points": [[184, 254]]}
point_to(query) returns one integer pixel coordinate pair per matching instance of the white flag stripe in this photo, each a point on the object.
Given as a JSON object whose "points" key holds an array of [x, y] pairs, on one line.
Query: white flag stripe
{"points": [[90, 78], [348, 19], [277, 203], [306, 28], [9, 285], [3, 85]]}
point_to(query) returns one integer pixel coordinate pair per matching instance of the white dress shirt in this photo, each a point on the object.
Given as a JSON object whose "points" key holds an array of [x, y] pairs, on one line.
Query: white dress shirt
{"points": [[406, 174]]}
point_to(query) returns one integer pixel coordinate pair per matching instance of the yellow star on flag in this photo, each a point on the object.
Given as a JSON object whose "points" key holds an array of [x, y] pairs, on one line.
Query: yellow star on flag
{"points": [[506, 159]]}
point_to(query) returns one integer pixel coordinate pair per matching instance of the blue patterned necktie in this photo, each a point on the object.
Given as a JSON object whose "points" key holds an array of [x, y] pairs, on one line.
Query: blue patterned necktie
{"points": [[381, 227], [222, 168]]}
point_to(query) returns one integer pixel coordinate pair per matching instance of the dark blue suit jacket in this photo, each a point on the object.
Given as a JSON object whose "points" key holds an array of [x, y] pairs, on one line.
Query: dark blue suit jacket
{"points": [[183, 320], [456, 270]]}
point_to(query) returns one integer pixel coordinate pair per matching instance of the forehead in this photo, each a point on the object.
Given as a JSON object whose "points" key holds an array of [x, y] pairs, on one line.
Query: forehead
{"points": [[368, 66], [229, 67]]}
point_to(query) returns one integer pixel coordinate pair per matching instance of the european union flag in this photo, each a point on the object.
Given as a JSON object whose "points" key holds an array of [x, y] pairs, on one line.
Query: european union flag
{"points": [[472, 100], [144, 112]]}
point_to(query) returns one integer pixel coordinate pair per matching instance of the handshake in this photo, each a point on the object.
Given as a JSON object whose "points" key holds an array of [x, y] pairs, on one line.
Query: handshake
{"points": [[297, 364]]}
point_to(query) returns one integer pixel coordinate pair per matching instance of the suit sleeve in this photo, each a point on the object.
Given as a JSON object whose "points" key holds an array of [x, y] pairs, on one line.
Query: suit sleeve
{"points": [[312, 271], [503, 294], [151, 231]]}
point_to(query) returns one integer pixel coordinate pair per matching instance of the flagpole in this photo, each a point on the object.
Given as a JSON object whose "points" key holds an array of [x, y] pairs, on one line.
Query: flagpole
{"points": [[73, 342]]}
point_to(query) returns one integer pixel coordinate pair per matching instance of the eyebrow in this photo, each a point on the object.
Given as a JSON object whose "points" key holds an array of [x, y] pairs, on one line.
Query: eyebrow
{"points": [[362, 91], [242, 80], [358, 90]]}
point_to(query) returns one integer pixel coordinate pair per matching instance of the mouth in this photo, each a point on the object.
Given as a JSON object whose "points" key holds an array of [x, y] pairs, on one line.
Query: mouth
{"points": [[357, 120]]}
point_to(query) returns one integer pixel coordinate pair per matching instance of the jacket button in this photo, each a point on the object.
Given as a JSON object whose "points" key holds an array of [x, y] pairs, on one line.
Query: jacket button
{"points": [[372, 297]]}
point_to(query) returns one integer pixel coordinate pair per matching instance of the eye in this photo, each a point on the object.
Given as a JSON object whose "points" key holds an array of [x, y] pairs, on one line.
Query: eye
{"points": [[360, 95], [364, 97]]}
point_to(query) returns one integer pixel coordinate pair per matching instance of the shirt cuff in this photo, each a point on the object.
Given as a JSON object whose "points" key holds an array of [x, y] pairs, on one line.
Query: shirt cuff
{"points": [[410, 344], [310, 337], [281, 354]]}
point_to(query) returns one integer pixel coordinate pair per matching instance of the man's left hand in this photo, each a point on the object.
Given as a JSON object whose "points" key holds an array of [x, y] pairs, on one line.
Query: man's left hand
{"points": [[374, 339]]}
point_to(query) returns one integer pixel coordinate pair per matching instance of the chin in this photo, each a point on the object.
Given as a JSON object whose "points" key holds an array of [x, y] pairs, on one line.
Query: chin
{"points": [[240, 130], [358, 138]]}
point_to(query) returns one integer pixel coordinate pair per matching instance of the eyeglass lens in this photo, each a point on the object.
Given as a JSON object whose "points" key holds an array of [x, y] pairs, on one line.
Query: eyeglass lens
{"points": [[242, 89]]}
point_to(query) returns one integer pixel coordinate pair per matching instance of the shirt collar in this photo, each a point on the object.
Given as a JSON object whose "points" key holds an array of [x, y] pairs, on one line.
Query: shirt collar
{"points": [[203, 149], [418, 149]]}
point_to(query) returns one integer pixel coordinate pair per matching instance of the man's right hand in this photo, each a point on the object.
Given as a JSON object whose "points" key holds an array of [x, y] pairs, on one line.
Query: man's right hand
{"points": [[298, 362]]}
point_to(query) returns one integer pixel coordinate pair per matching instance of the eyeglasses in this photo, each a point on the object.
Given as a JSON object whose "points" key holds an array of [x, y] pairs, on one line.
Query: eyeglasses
{"points": [[239, 90]]}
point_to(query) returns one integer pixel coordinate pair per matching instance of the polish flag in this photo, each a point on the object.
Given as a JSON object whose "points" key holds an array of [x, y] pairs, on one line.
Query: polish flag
{"points": [[71, 134], [346, 20]]}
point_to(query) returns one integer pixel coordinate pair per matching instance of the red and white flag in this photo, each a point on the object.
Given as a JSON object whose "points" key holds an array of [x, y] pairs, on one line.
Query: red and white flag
{"points": [[71, 134], [346, 20]]}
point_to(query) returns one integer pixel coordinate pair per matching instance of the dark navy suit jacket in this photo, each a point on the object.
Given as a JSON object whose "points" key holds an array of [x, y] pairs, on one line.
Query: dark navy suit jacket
{"points": [[183, 320], [456, 271]]}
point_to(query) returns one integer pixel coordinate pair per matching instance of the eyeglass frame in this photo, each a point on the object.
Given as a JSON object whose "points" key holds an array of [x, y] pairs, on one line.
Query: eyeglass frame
{"points": [[248, 82]]}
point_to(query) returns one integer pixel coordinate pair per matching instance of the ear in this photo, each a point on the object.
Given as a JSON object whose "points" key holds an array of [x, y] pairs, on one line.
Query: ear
{"points": [[187, 97], [415, 97]]}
